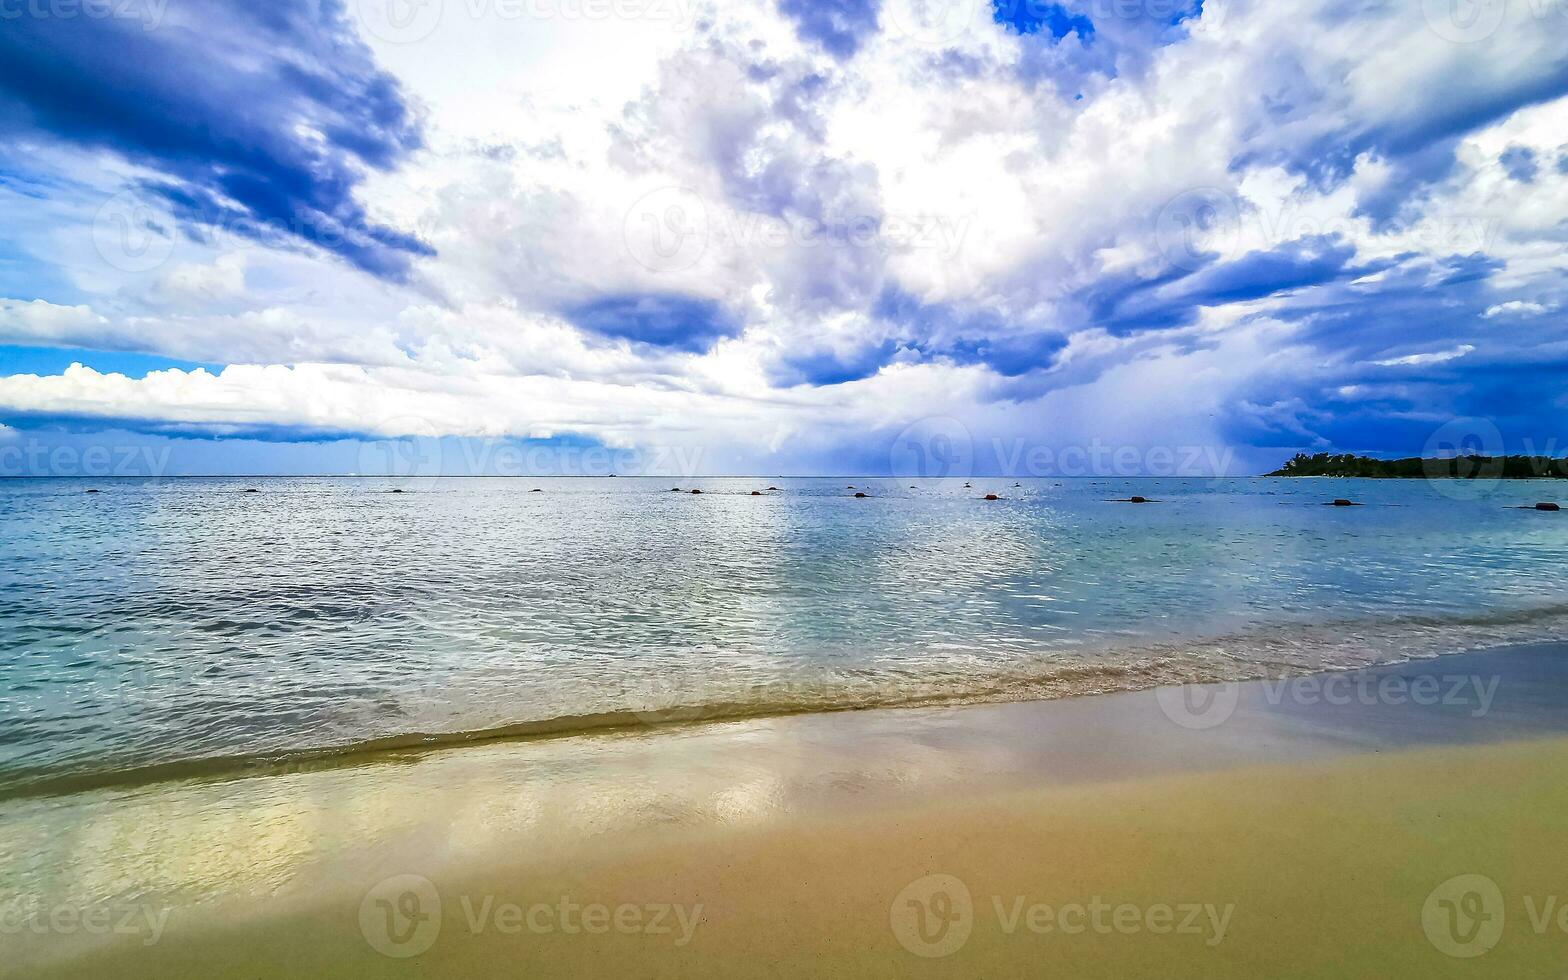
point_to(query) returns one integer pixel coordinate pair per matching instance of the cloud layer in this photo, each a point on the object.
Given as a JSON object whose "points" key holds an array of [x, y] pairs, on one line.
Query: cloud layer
{"points": [[795, 232]]}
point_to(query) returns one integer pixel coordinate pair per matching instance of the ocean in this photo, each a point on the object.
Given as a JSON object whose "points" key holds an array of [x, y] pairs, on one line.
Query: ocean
{"points": [[175, 626]]}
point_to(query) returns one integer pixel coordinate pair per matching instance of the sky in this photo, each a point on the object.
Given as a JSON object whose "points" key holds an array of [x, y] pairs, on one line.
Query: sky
{"points": [[910, 237]]}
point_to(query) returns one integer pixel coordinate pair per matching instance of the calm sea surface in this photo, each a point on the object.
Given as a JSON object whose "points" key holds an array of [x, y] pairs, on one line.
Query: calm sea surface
{"points": [[185, 622]]}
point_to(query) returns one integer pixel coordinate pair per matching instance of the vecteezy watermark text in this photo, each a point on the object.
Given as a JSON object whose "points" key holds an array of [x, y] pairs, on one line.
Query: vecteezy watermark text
{"points": [[670, 229], [432, 457], [934, 916], [112, 919], [941, 447], [402, 917], [1204, 706], [32, 457], [149, 13]]}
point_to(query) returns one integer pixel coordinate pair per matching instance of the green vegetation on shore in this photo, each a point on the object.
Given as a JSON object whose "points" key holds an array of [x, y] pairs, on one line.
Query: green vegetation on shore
{"points": [[1415, 467]]}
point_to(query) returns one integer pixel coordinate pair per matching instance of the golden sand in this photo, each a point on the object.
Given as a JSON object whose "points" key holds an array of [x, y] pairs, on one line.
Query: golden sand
{"points": [[1360, 866]]}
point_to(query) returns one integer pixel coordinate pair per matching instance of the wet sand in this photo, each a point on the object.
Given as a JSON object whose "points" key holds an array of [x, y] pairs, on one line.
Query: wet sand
{"points": [[1401, 822]]}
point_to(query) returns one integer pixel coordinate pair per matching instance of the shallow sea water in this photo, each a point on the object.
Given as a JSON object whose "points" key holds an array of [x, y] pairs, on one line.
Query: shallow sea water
{"points": [[186, 622]]}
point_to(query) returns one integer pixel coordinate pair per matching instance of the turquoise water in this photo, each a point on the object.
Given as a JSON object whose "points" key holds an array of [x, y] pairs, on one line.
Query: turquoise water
{"points": [[187, 623]]}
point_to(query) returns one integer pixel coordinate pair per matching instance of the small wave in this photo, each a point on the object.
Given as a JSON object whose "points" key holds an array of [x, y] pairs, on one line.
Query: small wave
{"points": [[676, 700]]}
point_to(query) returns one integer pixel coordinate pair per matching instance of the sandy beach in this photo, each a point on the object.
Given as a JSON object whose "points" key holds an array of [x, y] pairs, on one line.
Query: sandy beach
{"points": [[1399, 822]]}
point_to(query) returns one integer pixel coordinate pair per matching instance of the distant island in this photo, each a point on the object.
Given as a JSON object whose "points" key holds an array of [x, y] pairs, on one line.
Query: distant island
{"points": [[1417, 468]]}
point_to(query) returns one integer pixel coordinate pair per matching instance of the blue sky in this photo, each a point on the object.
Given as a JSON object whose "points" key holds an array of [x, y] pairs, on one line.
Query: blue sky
{"points": [[783, 236]]}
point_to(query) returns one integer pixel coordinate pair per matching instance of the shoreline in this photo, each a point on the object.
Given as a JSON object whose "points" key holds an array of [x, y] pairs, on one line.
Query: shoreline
{"points": [[287, 862], [1348, 648]]}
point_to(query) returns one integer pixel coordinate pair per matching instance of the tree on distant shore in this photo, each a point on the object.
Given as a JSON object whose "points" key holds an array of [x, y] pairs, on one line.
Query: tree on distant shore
{"points": [[1416, 467]]}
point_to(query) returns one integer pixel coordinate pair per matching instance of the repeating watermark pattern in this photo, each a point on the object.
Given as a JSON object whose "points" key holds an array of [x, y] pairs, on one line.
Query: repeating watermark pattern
{"points": [[934, 916], [1195, 225], [1203, 706], [403, 917], [1018, 458], [1456, 440], [1464, 21], [667, 229], [128, 236], [1473, 21], [1206, 224], [399, 21], [148, 13], [421, 462], [940, 447], [32, 457], [937, 23], [933, 448], [1167, 11], [1466, 916], [670, 229], [142, 921], [1199, 707]]}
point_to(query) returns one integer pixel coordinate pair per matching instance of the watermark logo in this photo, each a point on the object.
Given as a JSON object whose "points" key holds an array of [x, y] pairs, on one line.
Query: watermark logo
{"points": [[935, 23], [400, 21], [127, 235], [1196, 225], [933, 916], [414, 462], [1447, 462], [1464, 916], [1199, 707], [933, 449], [1204, 706], [1464, 21], [667, 230], [401, 916]]}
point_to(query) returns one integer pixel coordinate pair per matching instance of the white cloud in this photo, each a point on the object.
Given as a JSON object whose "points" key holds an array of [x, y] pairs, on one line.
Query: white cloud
{"points": [[987, 191], [48, 324], [223, 279], [1430, 357], [1517, 307]]}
